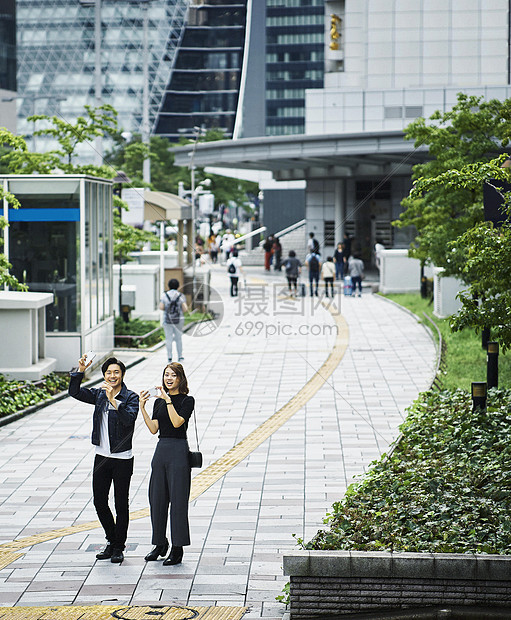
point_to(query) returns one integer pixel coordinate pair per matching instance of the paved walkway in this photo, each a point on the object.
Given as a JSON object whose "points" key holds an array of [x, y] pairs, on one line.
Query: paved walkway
{"points": [[264, 351]]}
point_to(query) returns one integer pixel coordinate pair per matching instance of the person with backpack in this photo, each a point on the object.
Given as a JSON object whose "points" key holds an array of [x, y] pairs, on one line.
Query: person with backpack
{"points": [[234, 269], [356, 271], [293, 268], [313, 262], [174, 306]]}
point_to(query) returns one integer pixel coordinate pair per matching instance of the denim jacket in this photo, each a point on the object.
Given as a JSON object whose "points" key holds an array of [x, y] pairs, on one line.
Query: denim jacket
{"points": [[121, 423]]}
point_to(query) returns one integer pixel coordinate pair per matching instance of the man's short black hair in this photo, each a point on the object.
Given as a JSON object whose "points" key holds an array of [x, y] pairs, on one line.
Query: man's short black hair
{"points": [[173, 284], [109, 362]]}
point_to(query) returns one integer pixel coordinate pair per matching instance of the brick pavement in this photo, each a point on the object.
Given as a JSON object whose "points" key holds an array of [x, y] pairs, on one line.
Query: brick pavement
{"points": [[265, 349]]}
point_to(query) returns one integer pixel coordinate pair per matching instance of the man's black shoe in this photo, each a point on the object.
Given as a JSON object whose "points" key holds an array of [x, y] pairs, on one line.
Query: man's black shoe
{"points": [[175, 556], [106, 554], [159, 550], [117, 556]]}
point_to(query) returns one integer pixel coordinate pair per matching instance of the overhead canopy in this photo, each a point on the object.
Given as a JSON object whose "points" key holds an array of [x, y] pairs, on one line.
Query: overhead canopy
{"points": [[162, 206], [298, 157]]}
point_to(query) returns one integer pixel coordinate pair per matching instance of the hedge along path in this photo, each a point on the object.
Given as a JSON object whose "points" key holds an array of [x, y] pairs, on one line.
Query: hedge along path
{"points": [[219, 468]]}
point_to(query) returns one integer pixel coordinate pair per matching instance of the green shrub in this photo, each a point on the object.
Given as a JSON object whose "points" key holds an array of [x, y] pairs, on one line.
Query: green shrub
{"points": [[137, 327], [446, 488], [18, 395]]}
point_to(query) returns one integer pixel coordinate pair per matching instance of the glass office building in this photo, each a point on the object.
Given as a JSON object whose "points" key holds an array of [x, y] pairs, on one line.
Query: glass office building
{"points": [[194, 59], [8, 45], [204, 85], [56, 56], [295, 35]]}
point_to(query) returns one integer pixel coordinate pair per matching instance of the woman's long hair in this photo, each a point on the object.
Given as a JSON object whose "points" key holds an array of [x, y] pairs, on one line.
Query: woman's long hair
{"points": [[180, 373]]}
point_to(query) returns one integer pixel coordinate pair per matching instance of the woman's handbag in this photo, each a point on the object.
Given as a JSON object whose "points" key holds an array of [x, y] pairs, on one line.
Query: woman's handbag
{"points": [[195, 458]]}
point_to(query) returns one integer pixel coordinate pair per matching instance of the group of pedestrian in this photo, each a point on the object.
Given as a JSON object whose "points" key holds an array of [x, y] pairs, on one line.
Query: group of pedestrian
{"points": [[333, 268], [113, 425]]}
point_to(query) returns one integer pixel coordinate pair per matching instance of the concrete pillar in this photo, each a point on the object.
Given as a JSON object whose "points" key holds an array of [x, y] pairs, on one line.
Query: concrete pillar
{"points": [[339, 210]]}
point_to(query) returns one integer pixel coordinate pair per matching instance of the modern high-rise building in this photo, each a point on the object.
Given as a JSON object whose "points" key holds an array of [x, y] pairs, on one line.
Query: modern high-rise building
{"points": [[192, 56], [8, 64], [58, 64], [295, 34], [241, 66]]}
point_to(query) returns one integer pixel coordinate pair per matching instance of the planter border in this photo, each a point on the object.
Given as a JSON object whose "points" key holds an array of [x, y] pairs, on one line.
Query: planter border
{"points": [[328, 583]]}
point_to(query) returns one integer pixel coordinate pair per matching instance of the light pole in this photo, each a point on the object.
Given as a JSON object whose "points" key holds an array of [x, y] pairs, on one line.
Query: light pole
{"points": [[146, 171], [98, 141], [198, 132], [121, 178]]}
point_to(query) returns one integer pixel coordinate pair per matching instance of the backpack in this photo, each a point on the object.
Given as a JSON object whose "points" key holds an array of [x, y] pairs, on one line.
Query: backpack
{"points": [[173, 310], [289, 266], [231, 268], [314, 263], [315, 246]]}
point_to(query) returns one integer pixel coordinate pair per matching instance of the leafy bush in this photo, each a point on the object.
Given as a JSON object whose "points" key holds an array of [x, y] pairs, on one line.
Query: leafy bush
{"points": [[445, 489], [137, 328], [18, 395]]}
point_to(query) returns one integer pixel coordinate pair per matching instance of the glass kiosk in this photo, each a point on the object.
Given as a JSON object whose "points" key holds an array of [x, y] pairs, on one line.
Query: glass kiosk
{"points": [[61, 241]]}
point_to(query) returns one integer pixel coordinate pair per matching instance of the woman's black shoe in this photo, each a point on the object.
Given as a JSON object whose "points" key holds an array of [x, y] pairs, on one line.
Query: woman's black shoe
{"points": [[175, 556], [159, 550]]}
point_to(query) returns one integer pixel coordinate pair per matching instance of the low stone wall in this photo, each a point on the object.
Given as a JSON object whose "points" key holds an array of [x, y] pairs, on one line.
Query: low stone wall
{"points": [[327, 583]]}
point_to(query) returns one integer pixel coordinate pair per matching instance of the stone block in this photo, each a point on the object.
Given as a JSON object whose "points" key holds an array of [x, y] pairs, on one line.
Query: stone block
{"points": [[410, 565], [367, 564], [495, 568]]}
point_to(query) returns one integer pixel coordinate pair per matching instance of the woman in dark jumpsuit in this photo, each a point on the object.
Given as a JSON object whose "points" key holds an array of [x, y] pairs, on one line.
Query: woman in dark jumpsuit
{"points": [[170, 469]]}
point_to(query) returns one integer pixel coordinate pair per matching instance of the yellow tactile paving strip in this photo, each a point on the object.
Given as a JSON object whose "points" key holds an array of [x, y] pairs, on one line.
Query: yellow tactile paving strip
{"points": [[229, 460], [107, 612]]}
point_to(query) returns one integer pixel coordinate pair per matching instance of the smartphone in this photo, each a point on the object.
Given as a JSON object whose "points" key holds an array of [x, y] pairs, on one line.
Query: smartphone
{"points": [[153, 392], [89, 357]]}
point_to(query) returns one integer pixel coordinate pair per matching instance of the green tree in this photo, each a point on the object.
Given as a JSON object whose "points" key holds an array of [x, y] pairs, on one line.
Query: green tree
{"points": [[127, 238], [482, 254], [472, 132], [98, 121], [14, 143], [166, 176]]}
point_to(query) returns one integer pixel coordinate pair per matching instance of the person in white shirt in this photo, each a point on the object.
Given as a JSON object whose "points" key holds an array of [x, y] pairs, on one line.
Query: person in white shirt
{"points": [[113, 425], [234, 268], [328, 274]]}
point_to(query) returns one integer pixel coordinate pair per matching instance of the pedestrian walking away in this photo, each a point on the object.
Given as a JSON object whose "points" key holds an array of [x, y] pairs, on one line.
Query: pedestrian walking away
{"points": [[356, 271], [328, 275], [169, 486], [113, 424], [312, 244], [313, 262], [234, 269], [293, 269], [173, 304]]}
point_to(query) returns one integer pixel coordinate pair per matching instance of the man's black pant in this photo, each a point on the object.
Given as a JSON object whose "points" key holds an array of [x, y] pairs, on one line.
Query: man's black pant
{"points": [[118, 471]]}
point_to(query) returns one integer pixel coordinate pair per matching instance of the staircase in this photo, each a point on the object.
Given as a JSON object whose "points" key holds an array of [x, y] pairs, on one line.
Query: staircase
{"points": [[292, 238]]}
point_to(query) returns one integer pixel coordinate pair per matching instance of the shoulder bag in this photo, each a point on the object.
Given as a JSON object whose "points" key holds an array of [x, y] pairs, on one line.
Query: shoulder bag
{"points": [[195, 458]]}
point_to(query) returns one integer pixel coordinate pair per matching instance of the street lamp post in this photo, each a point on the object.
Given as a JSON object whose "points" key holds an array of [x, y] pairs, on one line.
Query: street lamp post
{"points": [[121, 178], [146, 172]]}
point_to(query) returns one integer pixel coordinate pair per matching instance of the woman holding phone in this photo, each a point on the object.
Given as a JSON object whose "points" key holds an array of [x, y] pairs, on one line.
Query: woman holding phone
{"points": [[170, 469]]}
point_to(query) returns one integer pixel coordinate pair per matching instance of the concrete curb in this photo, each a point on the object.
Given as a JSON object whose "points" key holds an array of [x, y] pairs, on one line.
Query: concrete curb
{"points": [[326, 583]]}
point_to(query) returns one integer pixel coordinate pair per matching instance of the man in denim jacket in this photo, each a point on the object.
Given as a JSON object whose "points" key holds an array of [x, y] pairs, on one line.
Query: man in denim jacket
{"points": [[113, 424]]}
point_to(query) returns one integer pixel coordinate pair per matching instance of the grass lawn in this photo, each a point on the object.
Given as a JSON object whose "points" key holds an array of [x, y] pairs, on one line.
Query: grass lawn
{"points": [[465, 357]]}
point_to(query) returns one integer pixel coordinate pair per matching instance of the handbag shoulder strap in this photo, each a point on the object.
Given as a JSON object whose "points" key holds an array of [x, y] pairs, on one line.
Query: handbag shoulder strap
{"points": [[196, 433]]}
